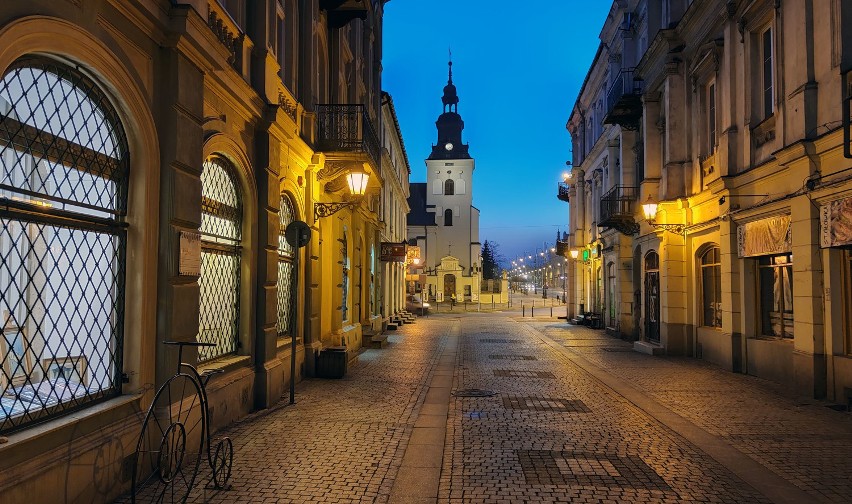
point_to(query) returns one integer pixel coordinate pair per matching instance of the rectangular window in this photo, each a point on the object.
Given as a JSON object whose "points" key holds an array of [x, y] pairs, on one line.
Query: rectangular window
{"points": [[711, 118], [281, 44], [711, 288], [768, 81], [848, 291], [776, 296]]}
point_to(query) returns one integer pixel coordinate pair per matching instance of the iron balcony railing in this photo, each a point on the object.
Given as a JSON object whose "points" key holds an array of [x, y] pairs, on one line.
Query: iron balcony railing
{"points": [[563, 190], [346, 128], [623, 105], [617, 207]]}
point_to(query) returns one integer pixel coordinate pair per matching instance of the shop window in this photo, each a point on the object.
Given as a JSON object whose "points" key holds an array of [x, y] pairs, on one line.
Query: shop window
{"points": [[848, 291], [710, 283], [63, 200], [344, 252], [776, 295], [286, 253], [611, 295], [221, 222]]}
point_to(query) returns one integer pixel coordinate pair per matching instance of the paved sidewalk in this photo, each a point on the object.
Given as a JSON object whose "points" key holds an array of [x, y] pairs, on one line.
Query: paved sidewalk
{"points": [[799, 439], [495, 408]]}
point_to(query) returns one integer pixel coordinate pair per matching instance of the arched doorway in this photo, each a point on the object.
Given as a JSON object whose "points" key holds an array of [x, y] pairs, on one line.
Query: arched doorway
{"points": [[449, 285], [652, 296]]}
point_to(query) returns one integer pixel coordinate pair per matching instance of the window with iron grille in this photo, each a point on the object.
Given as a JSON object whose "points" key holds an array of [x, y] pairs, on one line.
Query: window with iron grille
{"points": [[345, 283], [63, 200], [221, 222], [286, 252]]}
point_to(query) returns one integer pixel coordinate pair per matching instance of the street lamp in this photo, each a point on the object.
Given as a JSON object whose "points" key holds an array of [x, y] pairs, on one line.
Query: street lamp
{"points": [[357, 182], [649, 209]]}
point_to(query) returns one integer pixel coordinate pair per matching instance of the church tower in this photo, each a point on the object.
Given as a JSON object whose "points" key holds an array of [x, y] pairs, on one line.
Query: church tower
{"points": [[449, 195]]}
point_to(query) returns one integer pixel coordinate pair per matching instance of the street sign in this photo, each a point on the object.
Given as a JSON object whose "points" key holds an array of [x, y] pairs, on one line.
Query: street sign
{"points": [[297, 234], [392, 252]]}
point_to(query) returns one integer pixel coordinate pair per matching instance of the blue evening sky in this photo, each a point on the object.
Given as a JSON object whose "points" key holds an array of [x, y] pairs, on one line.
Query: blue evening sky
{"points": [[518, 68]]}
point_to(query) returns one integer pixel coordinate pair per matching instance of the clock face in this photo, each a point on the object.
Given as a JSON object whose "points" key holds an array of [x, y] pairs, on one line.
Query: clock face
{"points": [[448, 146]]}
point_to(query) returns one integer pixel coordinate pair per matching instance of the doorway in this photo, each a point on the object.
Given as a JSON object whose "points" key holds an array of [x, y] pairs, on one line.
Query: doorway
{"points": [[449, 285], [652, 296]]}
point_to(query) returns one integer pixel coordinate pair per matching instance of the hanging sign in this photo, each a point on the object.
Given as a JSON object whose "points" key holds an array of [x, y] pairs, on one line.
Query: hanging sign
{"points": [[835, 223], [392, 252], [769, 236]]}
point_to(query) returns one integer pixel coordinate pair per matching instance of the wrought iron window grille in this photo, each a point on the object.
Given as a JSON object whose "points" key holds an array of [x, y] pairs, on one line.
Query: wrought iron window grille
{"points": [[286, 305], [63, 195], [221, 235]]}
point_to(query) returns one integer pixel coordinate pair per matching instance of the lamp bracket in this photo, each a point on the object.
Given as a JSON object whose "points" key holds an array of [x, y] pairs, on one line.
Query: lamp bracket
{"points": [[326, 209], [672, 228]]}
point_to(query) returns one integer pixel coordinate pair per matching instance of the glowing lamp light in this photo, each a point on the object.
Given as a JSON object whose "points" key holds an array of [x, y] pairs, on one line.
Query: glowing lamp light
{"points": [[649, 208], [416, 261], [357, 183], [574, 253]]}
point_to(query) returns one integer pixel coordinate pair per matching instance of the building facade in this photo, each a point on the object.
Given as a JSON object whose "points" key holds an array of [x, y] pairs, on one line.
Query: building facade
{"points": [[394, 209], [152, 155], [443, 221], [709, 195]]}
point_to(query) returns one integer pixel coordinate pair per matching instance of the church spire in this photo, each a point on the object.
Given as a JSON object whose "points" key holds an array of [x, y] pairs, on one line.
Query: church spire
{"points": [[450, 98]]}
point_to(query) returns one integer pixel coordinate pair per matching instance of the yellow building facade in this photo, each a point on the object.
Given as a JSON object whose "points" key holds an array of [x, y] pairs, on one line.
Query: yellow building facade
{"points": [[709, 198], [153, 155]]}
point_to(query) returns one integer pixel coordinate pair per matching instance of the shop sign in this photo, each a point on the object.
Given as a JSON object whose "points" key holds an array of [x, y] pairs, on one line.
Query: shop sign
{"points": [[769, 236], [835, 223], [392, 252]]}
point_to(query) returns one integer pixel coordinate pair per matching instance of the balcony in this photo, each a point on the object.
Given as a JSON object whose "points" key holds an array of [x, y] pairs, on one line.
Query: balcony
{"points": [[624, 101], [617, 207], [343, 130], [341, 12], [562, 193]]}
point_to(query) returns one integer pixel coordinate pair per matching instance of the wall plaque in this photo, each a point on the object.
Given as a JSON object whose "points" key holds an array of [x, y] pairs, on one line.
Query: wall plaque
{"points": [[835, 223], [189, 262]]}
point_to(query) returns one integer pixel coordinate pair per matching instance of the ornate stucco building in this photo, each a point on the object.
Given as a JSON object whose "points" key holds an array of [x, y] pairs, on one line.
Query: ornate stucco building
{"points": [[152, 155], [724, 120], [443, 221]]}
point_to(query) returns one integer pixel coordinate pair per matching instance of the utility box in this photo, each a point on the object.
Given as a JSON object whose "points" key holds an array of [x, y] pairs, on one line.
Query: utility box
{"points": [[331, 362]]}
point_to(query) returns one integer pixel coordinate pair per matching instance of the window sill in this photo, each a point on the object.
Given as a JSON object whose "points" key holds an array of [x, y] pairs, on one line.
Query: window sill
{"points": [[85, 428], [227, 362]]}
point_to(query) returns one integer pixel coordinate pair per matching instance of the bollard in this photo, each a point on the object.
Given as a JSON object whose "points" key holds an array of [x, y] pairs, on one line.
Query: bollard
{"points": [[523, 310], [551, 311], [532, 310]]}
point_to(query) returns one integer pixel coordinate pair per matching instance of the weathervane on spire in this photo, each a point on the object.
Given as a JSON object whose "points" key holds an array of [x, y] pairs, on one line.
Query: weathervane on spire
{"points": [[450, 50]]}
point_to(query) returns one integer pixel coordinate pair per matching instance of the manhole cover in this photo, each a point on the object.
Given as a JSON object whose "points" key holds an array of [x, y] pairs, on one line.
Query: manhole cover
{"points": [[474, 392]]}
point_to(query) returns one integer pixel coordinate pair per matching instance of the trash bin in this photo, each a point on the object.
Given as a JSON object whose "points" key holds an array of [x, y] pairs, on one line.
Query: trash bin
{"points": [[331, 362]]}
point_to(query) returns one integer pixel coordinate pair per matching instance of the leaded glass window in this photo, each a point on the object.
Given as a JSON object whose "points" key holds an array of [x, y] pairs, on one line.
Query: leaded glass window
{"points": [[221, 223], [286, 215], [63, 196]]}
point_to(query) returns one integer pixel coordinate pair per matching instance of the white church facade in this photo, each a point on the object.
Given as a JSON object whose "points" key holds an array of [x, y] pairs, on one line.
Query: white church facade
{"points": [[443, 222]]}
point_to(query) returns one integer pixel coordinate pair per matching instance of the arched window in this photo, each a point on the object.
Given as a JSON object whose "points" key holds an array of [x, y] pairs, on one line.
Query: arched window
{"points": [[711, 287], [448, 217], [344, 252], [449, 187], [221, 234], [63, 184], [286, 252]]}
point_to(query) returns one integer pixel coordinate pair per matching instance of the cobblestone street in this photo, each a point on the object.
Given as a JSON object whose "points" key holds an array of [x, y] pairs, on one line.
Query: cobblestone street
{"points": [[498, 408]]}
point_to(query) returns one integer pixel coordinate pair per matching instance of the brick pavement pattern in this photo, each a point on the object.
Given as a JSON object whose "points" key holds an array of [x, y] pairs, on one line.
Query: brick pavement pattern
{"points": [[800, 439], [540, 427]]}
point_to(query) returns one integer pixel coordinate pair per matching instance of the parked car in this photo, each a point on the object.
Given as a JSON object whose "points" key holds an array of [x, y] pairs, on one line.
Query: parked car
{"points": [[415, 304]]}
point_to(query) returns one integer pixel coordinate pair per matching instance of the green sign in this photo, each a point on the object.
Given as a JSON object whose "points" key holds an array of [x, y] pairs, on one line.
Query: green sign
{"points": [[585, 255]]}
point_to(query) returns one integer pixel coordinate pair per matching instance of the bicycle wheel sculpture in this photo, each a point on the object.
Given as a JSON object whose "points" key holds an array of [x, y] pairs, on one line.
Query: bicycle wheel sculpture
{"points": [[170, 446], [223, 459]]}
